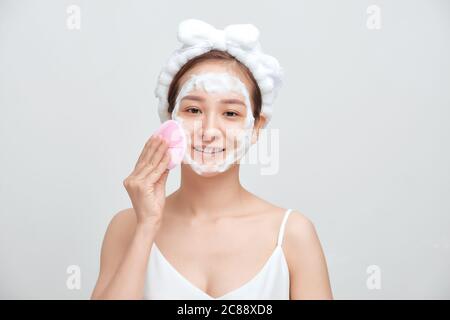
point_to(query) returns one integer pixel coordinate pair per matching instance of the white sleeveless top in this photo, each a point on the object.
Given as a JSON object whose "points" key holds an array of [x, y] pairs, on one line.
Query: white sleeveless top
{"points": [[164, 282]]}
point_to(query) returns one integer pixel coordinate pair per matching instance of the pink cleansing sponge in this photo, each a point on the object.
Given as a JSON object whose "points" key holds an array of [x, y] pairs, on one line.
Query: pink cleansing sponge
{"points": [[174, 134]]}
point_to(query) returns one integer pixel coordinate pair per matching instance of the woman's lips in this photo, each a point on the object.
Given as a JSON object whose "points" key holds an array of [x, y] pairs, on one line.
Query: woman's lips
{"points": [[208, 150]]}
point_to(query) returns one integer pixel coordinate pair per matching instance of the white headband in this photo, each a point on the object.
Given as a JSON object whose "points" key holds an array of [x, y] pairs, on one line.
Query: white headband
{"points": [[239, 40]]}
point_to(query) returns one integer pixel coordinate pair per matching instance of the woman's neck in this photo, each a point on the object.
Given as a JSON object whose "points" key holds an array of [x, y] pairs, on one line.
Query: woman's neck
{"points": [[210, 197]]}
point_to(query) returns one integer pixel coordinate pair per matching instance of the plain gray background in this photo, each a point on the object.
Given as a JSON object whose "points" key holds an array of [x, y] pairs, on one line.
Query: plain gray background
{"points": [[363, 119]]}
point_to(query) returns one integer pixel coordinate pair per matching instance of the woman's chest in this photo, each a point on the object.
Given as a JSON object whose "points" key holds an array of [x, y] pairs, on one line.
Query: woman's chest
{"points": [[216, 259]]}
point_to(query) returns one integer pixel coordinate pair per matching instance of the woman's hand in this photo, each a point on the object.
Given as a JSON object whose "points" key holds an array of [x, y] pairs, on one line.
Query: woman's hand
{"points": [[146, 184]]}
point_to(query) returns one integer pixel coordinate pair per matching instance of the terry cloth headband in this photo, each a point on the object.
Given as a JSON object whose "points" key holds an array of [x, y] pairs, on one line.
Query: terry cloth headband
{"points": [[239, 40]]}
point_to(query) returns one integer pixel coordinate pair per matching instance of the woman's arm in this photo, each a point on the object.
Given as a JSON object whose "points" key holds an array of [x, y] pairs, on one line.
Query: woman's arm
{"points": [[124, 257], [307, 264], [129, 237]]}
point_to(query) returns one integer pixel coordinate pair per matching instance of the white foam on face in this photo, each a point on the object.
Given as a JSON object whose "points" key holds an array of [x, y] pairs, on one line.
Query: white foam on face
{"points": [[217, 82]]}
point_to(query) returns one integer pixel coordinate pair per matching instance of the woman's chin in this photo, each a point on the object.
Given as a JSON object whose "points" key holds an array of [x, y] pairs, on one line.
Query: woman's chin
{"points": [[205, 170], [209, 174]]}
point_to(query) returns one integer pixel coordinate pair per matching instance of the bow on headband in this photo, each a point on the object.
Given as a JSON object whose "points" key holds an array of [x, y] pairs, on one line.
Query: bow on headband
{"points": [[192, 32]]}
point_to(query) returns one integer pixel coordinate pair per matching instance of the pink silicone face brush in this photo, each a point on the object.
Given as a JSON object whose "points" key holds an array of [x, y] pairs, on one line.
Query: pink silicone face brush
{"points": [[174, 134]]}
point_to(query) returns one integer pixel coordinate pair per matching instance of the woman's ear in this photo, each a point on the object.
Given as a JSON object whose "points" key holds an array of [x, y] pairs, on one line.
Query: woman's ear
{"points": [[257, 126]]}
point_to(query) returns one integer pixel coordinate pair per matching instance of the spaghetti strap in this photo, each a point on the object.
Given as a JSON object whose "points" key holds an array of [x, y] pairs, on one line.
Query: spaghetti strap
{"points": [[282, 227]]}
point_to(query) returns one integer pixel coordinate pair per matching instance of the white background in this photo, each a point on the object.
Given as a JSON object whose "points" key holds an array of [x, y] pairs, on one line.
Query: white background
{"points": [[363, 119]]}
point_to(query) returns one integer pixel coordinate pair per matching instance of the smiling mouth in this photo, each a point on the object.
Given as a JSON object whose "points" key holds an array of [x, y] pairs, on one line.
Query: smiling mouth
{"points": [[208, 150]]}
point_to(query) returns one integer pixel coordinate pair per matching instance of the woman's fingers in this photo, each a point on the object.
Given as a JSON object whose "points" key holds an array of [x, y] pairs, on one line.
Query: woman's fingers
{"points": [[154, 158], [154, 175], [144, 151], [162, 180], [150, 146], [148, 196]]}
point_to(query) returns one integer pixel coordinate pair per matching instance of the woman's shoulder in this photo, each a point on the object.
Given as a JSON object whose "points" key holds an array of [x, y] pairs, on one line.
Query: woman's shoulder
{"points": [[297, 223], [300, 236], [270, 208], [125, 217], [306, 259], [299, 229], [122, 224]]}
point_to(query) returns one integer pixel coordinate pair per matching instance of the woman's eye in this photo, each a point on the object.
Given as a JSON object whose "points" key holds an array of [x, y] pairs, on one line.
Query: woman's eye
{"points": [[231, 113], [193, 110]]}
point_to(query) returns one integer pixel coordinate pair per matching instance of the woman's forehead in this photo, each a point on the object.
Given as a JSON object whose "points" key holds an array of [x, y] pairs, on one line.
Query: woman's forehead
{"points": [[200, 95], [219, 67]]}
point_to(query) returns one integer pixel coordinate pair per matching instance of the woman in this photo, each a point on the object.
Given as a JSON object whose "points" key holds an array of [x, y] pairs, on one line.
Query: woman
{"points": [[210, 239]]}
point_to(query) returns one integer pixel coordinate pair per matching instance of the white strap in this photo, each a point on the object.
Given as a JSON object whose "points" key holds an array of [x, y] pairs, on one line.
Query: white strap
{"points": [[283, 224]]}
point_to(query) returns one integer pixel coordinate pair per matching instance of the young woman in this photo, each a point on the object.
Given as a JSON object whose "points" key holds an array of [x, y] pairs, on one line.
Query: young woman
{"points": [[211, 238]]}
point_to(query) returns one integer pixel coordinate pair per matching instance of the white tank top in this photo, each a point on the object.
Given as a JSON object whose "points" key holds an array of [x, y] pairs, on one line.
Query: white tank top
{"points": [[164, 282]]}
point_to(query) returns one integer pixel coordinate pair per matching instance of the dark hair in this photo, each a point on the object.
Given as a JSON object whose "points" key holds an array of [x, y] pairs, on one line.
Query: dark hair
{"points": [[214, 54]]}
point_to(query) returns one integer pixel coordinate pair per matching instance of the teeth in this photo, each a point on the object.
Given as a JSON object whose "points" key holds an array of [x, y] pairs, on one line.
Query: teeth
{"points": [[208, 150]]}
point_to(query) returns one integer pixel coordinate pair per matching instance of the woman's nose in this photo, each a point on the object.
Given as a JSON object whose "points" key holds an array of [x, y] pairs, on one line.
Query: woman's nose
{"points": [[210, 128]]}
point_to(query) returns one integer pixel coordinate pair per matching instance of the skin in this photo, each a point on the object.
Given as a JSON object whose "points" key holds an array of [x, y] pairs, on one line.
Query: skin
{"points": [[212, 230]]}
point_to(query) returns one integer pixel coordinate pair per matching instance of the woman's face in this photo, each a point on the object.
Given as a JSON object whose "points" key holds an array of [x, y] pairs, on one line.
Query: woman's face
{"points": [[213, 121]]}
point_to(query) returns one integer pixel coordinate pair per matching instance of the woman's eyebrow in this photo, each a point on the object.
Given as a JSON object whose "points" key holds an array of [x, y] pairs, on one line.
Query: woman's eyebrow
{"points": [[227, 101], [194, 98], [233, 101]]}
